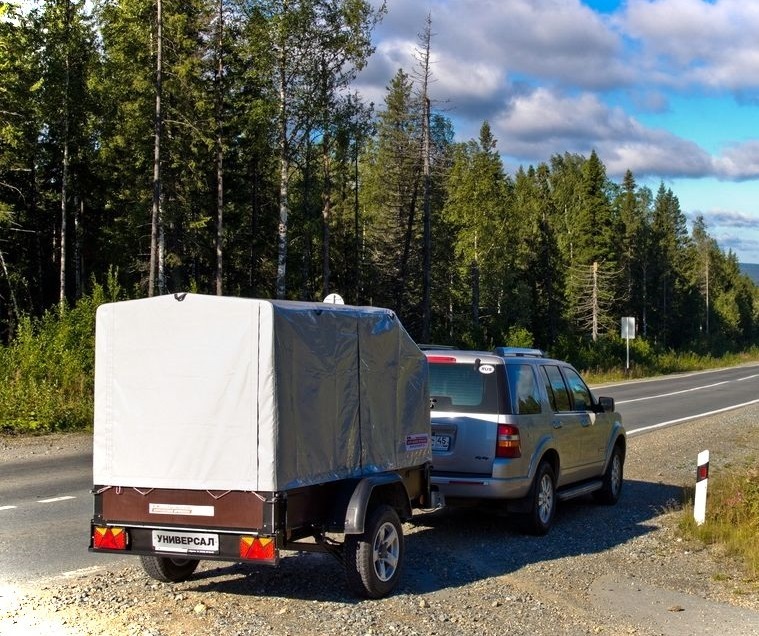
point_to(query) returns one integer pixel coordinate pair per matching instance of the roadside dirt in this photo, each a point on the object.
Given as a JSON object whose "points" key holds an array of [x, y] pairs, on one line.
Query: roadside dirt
{"points": [[602, 570]]}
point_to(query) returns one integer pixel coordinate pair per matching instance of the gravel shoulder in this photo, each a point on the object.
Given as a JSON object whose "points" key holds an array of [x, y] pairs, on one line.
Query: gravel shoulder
{"points": [[601, 570]]}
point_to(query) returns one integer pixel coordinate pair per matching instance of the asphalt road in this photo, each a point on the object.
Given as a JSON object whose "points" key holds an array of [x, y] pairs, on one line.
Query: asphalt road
{"points": [[650, 404], [45, 501], [45, 507]]}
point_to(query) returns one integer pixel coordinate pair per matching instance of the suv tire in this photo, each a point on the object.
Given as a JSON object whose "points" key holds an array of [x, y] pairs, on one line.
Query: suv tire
{"points": [[541, 501], [612, 480]]}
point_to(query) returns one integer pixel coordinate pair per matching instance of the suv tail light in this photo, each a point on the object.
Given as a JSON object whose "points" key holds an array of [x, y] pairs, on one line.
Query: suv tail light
{"points": [[508, 443], [441, 359]]}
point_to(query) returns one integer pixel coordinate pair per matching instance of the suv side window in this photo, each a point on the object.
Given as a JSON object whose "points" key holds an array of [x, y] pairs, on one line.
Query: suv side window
{"points": [[581, 397], [556, 388], [524, 388]]}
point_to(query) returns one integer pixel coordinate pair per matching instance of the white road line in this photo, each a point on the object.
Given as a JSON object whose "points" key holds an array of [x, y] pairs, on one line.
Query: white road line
{"points": [[56, 499], [695, 388], [7, 507], [689, 417], [661, 395]]}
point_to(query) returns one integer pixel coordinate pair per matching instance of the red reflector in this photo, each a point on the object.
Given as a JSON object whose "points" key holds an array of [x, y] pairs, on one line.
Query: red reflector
{"points": [[442, 359], [104, 538], [258, 549], [508, 443]]}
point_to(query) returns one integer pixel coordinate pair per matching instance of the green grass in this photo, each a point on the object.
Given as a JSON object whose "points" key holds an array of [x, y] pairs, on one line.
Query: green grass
{"points": [[46, 371], [732, 516], [669, 362]]}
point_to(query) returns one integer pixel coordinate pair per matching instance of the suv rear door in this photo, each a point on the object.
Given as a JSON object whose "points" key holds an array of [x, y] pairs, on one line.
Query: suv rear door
{"points": [[597, 428], [466, 404], [566, 422]]}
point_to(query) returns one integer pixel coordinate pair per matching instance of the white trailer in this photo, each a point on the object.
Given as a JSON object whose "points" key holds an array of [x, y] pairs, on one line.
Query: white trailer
{"points": [[231, 429]]}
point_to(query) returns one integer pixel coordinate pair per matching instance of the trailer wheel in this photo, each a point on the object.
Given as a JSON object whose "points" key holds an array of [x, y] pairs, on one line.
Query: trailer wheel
{"points": [[167, 569], [373, 559]]}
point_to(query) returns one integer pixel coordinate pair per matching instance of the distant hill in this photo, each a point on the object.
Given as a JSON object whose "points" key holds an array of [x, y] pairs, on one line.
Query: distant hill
{"points": [[751, 270]]}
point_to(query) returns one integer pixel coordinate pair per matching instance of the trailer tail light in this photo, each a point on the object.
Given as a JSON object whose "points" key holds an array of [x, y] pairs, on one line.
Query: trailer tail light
{"points": [[508, 443], [109, 538], [258, 549]]}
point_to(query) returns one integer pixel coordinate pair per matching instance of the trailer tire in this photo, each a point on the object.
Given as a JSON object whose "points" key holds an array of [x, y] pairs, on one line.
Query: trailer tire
{"points": [[373, 559], [167, 569]]}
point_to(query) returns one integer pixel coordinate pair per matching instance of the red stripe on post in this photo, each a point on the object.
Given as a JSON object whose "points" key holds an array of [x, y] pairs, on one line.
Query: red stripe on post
{"points": [[702, 472]]}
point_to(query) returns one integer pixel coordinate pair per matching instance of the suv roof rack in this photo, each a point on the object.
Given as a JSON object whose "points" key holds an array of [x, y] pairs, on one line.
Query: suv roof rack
{"points": [[432, 347], [519, 352]]}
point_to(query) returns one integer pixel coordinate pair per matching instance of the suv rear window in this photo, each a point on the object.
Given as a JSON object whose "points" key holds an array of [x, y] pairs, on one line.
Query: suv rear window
{"points": [[556, 388], [566, 389], [462, 387]]}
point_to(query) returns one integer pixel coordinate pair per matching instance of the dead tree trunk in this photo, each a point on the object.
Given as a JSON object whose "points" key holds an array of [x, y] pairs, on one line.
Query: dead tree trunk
{"points": [[157, 130]]}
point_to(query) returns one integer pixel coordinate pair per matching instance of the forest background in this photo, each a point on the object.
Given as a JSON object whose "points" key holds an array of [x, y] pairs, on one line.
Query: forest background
{"points": [[216, 146]]}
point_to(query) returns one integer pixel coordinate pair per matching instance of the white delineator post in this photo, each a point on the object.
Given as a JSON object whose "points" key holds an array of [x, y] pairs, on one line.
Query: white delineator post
{"points": [[702, 478]]}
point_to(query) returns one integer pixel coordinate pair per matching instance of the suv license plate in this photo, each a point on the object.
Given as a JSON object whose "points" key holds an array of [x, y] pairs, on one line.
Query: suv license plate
{"points": [[185, 542], [441, 442]]}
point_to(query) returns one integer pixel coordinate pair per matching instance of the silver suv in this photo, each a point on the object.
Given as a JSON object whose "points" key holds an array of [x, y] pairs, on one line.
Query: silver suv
{"points": [[516, 426]]}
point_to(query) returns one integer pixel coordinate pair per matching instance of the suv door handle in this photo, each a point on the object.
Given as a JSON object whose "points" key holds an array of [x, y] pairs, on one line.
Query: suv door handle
{"points": [[556, 423]]}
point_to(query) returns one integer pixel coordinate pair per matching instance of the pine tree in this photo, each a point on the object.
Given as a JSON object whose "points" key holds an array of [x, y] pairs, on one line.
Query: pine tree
{"points": [[544, 270], [632, 204], [68, 60], [477, 206], [392, 183], [172, 158], [21, 265], [318, 46], [669, 240]]}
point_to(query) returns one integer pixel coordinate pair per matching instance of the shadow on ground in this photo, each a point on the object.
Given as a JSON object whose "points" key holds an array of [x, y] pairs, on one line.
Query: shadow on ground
{"points": [[457, 546]]}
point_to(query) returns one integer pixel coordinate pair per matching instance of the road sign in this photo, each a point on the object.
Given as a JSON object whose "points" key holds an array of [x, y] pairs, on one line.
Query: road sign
{"points": [[628, 327]]}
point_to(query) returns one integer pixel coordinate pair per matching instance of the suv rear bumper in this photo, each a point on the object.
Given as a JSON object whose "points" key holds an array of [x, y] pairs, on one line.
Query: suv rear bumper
{"points": [[480, 487]]}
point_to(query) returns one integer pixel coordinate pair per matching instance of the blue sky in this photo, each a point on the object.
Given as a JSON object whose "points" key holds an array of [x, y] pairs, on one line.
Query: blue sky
{"points": [[666, 88]]}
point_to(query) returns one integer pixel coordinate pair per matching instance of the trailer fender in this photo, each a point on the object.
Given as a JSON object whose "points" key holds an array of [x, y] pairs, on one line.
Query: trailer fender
{"points": [[387, 489]]}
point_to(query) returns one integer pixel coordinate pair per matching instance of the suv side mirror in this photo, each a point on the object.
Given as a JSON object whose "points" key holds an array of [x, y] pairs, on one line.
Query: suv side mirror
{"points": [[606, 404]]}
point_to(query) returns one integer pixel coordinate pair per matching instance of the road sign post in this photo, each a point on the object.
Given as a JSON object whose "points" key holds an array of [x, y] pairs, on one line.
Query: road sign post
{"points": [[702, 480], [628, 333]]}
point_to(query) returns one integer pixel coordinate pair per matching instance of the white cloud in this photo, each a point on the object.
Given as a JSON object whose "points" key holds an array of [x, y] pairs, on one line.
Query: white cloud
{"points": [[683, 43], [739, 161], [562, 41], [724, 219], [542, 123], [559, 40], [541, 72], [743, 245]]}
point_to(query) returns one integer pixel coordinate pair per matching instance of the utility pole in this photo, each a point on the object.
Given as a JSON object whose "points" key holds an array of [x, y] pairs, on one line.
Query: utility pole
{"points": [[707, 295]]}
